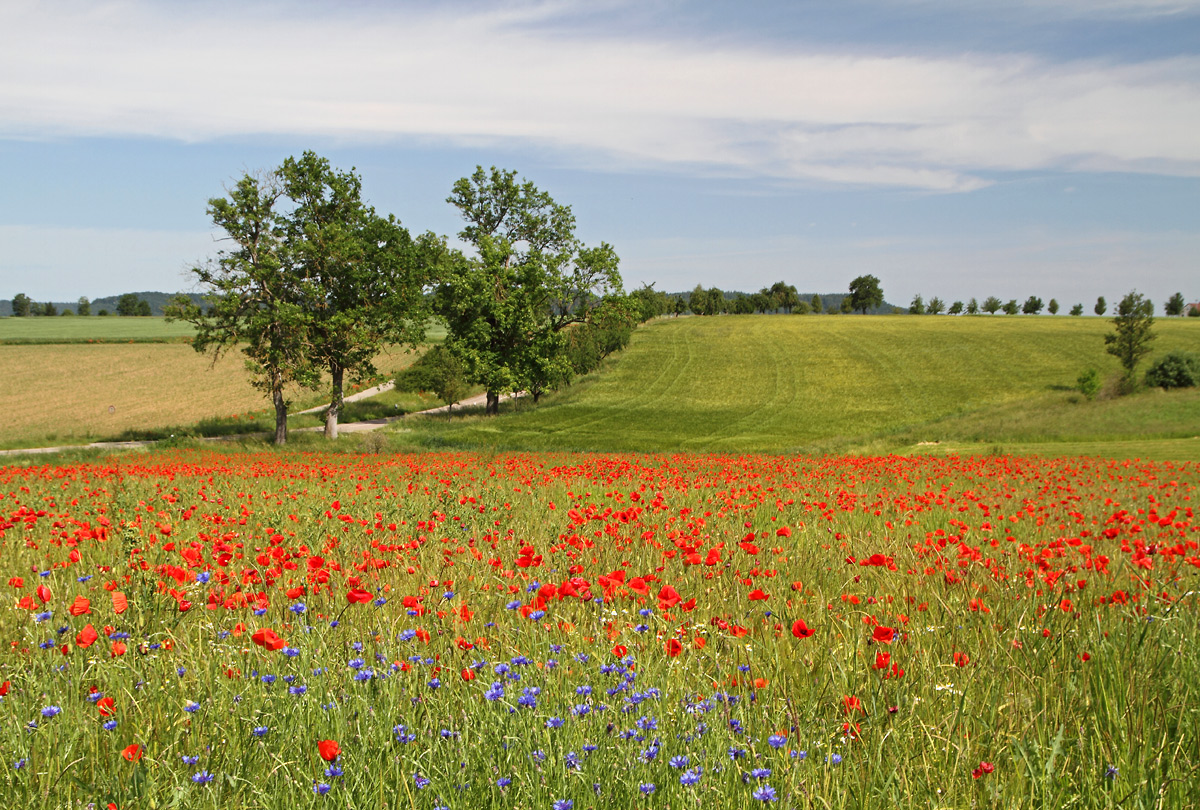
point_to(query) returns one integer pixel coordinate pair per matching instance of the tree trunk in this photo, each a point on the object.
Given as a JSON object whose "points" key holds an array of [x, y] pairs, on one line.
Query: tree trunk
{"points": [[493, 403], [449, 408], [280, 409], [335, 404]]}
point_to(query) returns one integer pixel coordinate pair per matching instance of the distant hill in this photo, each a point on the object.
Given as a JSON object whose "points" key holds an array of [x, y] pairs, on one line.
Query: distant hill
{"points": [[157, 300]]}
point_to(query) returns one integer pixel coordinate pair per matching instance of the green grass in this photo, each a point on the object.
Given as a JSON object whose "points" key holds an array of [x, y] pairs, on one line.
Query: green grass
{"points": [[821, 384], [92, 329]]}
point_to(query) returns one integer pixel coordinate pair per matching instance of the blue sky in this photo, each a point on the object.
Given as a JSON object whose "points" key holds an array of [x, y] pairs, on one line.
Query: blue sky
{"points": [[955, 148]]}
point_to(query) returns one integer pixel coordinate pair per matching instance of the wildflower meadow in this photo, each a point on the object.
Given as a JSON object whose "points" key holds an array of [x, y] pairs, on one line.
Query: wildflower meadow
{"points": [[561, 632]]}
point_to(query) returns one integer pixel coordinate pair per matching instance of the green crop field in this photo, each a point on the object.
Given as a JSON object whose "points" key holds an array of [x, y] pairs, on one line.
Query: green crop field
{"points": [[777, 383], [78, 329]]}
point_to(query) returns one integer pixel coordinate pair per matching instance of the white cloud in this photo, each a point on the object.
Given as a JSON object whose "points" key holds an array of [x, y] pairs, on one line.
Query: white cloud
{"points": [[466, 76]]}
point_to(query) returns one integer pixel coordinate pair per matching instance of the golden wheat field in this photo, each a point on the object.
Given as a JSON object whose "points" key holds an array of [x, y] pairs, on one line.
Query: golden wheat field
{"points": [[68, 392]]}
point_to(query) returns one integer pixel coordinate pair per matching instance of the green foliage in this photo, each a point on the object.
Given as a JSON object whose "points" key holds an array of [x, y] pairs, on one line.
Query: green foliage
{"points": [[49, 309], [648, 303], [972, 307], [1011, 308], [1174, 305], [865, 294], [917, 306], [359, 276], [437, 371], [84, 307], [1176, 369], [506, 307], [991, 305], [1130, 341], [1101, 306], [1194, 311], [128, 305], [1032, 305], [816, 304], [936, 306], [1077, 309], [956, 308], [1052, 307], [1088, 383], [21, 305]]}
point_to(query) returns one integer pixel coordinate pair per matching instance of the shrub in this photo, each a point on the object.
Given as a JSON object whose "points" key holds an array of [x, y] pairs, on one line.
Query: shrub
{"points": [[1175, 370], [1088, 383]]}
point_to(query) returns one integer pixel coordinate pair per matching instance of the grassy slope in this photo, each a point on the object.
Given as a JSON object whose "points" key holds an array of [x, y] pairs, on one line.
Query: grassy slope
{"points": [[777, 384]]}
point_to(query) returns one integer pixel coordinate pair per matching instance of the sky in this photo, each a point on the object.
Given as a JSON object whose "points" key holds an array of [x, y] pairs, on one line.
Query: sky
{"points": [[957, 148]]}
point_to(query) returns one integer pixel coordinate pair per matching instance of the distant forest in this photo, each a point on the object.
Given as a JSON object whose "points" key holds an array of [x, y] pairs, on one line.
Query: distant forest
{"points": [[158, 300]]}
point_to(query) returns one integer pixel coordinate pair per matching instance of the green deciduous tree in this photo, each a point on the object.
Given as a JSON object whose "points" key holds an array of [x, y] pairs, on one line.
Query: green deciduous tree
{"points": [[816, 304], [360, 276], [936, 306], [1011, 308], [972, 307], [956, 308], [1134, 332], [506, 307], [20, 305], [865, 294], [254, 299], [127, 305], [1032, 305], [991, 305], [1052, 307], [917, 306], [1174, 305], [1101, 306], [437, 371], [84, 306], [1077, 309]]}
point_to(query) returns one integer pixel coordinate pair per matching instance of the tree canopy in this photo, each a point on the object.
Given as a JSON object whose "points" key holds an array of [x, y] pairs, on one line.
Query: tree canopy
{"points": [[506, 307], [865, 294]]}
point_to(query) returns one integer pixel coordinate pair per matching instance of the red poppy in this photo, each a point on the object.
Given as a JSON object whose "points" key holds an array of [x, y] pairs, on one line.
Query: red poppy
{"points": [[329, 750], [801, 630], [132, 752], [961, 659], [984, 767], [268, 640], [358, 595], [16, 582], [673, 647], [105, 706], [119, 602], [883, 635], [620, 650], [668, 598], [80, 606], [87, 636], [468, 674], [851, 704], [44, 593], [757, 595], [4, 687]]}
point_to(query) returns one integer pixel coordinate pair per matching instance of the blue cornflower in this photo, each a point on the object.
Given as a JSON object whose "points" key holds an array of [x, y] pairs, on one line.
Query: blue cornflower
{"points": [[320, 788], [554, 722], [766, 793], [503, 782], [539, 755], [572, 760], [495, 692], [736, 753], [298, 608], [43, 616], [527, 700], [84, 578], [777, 741], [513, 605], [291, 652], [190, 760], [191, 707], [261, 611], [181, 671], [20, 763], [434, 683], [448, 595], [581, 709], [365, 675], [333, 771], [538, 615], [50, 711], [647, 723], [678, 762], [761, 773], [584, 690], [109, 725], [689, 778], [646, 788], [356, 663], [260, 731], [297, 691], [1111, 772], [380, 602], [48, 644], [202, 777], [645, 612], [268, 679], [835, 759], [420, 781], [564, 804], [641, 628], [203, 577]]}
